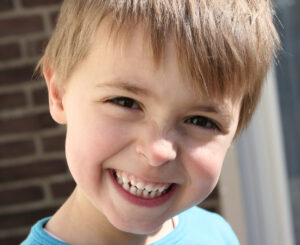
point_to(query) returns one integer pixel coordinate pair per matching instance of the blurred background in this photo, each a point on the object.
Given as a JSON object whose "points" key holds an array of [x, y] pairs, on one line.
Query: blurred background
{"points": [[259, 190]]}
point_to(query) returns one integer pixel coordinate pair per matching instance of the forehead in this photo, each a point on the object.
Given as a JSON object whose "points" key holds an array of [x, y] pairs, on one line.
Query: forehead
{"points": [[138, 38]]}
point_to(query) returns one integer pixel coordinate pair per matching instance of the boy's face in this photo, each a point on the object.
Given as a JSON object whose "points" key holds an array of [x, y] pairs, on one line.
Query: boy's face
{"points": [[125, 117]]}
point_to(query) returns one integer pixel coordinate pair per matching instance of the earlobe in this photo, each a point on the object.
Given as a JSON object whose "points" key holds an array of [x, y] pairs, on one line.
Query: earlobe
{"points": [[55, 95]]}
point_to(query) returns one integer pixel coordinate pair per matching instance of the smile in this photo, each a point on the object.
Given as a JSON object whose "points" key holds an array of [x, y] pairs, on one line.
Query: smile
{"points": [[141, 192], [140, 188]]}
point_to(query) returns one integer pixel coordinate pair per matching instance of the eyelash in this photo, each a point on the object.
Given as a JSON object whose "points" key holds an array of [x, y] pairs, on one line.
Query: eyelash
{"points": [[203, 122], [199, 121], [125, 102]]}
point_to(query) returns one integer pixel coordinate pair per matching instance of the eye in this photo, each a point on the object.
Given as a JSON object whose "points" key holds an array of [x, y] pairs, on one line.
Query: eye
{"points": [[204, 122], [125, 102]]}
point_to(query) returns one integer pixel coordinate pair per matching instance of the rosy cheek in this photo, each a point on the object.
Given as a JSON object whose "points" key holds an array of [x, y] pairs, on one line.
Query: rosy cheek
{"points": [[94, 140], [206, 163], [89, 143]]}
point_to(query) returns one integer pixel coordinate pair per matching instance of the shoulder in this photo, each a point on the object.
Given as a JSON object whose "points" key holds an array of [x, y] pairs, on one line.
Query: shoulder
{"points": [[209, 227], [38, 236], [200, 227], [203, 217]]}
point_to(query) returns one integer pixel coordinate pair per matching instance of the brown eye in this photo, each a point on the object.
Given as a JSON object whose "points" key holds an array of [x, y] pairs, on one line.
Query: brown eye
{"points": [[125, 102], [203, 122]]}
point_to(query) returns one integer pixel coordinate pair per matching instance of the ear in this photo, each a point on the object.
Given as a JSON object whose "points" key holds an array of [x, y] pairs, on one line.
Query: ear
{"points": [[55, 94]]}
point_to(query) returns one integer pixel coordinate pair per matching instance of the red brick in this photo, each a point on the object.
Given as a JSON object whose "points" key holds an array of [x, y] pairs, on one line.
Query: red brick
{"points": [[54, 143], [9, 51], [6, 5], [16, 75], [16, 149], [36, 47], [40, 96], [20, 219], [13, 239], [12, 100], [21, 195], [33, 170], [36, 3], [27, 123], [64, 189], [21, 25]]}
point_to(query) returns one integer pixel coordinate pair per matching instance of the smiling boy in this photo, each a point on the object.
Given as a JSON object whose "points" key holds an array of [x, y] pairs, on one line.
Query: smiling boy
{"points": [[152, 93]]}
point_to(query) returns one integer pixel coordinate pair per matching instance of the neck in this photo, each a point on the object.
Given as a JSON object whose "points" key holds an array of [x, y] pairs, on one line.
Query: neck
{"points": [[79, 222]]}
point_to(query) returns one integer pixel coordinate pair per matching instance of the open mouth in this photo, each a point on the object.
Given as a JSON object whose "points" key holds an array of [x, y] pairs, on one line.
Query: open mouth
{"points": [[140, 188]]}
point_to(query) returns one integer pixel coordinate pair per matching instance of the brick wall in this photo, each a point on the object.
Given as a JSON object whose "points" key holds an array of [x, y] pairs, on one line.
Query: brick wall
{"points": [[34, 179]]}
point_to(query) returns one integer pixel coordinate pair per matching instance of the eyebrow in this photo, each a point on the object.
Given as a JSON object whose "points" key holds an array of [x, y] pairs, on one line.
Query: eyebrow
{"points": [[209, 108], [127, 86]]}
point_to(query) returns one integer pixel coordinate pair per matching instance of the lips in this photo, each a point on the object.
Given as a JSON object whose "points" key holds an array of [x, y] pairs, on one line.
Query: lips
{"points": [[140, 191]]}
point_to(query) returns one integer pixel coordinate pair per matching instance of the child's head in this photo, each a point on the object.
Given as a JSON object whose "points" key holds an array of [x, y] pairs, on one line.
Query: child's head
{"points": [[154, 92]]}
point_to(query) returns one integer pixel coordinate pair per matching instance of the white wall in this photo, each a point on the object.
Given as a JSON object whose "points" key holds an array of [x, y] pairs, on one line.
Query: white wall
{"points": [[260, 206]]}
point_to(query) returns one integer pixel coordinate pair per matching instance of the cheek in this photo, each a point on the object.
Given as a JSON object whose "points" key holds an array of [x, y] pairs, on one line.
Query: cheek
{"points": [[206, 163], [89, 142], [203, 166]]}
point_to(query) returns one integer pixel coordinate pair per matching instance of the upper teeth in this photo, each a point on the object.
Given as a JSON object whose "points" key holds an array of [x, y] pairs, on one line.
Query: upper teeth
{"points": [[138, 187]]}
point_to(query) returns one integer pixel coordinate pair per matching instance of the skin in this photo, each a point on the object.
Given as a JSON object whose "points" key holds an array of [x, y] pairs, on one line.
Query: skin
{"points": [[151, 137]]}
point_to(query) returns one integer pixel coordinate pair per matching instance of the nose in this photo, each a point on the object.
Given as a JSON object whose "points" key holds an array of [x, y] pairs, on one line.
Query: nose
{"points": [[157, 148]]}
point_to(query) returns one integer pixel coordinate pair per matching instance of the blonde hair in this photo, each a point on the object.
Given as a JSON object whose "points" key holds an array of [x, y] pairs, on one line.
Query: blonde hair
{"points": [[224, 46]]}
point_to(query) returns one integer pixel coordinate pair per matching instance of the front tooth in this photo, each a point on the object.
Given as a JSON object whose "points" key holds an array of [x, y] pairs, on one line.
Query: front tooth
{"points": [[152, 194], [125, 179], [126, 186], [139, 192], [140, 185], [145, 194], [149, 188], [118, 174], [132, 190], [133, 182]]}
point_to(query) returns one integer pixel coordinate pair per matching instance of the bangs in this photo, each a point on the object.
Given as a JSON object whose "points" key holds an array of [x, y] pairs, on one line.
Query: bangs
{"points": [[218, 45], [223, 47]]}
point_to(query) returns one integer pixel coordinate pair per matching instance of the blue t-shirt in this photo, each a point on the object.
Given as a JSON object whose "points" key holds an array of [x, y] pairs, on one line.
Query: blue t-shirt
{"points": [[196, 227]]}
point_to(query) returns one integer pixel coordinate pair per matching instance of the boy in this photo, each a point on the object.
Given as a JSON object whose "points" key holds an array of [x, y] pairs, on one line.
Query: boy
{"points": [[153, 93]]}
